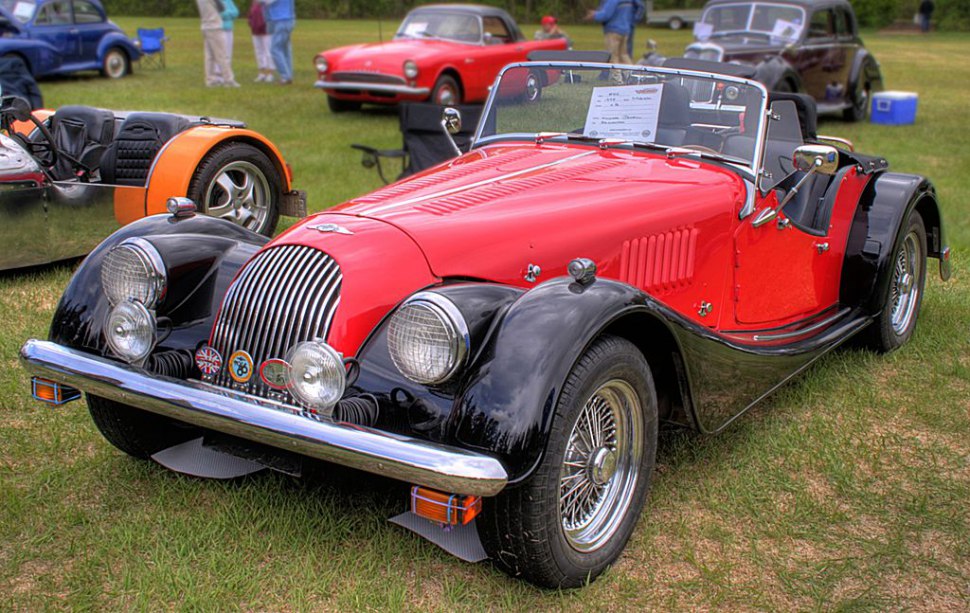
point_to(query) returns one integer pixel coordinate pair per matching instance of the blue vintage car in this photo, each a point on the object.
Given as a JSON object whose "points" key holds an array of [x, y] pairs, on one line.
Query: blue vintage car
{"points": [[63, 36]]}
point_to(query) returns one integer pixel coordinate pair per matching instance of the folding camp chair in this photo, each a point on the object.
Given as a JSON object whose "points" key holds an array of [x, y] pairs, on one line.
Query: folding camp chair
{"points": [[425, 141], [151, 41]]}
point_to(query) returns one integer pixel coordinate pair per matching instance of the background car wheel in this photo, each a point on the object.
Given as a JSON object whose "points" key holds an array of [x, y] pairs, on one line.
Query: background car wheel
{"points": [[342, 106], [572, 518], [533, 87], [895, 323], [860, 105], [239, 183], [115, 64], [446, 91], [676, 23], [134, 431]]}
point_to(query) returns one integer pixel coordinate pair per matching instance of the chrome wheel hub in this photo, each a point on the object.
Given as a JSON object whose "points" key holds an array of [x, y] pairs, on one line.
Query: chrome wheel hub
{"points": [[600, 466], [903, 291], [532, 88], [240, 193]]}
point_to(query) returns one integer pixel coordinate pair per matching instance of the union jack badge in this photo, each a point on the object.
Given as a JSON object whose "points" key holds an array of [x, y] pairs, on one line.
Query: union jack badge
{"points": [[208, 360]]}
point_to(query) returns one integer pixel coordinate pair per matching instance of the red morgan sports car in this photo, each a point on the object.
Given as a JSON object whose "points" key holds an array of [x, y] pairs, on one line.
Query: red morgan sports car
{"points": [[71, 177], [447, 53], [507, 331]]}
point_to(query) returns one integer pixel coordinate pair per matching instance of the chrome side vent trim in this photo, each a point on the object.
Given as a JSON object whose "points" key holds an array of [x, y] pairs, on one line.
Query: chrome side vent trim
{"points": [[660, 262], [284, 296]]}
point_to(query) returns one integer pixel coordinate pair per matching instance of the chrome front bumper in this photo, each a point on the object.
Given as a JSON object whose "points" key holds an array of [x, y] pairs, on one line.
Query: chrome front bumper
{"points": [[373, 87], [449, 469]]}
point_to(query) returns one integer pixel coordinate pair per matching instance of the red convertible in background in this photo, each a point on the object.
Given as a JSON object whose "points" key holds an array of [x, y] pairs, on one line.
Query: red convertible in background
{"points": [[448, 54]]}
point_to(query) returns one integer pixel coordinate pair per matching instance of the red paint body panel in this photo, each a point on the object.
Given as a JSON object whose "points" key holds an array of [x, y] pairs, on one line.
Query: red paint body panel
{"points": [[476, 65]]}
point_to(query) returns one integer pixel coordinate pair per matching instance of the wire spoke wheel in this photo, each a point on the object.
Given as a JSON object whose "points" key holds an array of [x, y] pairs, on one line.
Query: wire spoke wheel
{"points": [[904, 289], [241, 194], [600, 466]]}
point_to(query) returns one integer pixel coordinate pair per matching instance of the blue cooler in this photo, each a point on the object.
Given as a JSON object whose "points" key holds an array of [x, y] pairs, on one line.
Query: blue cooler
{"points": [[894, 108]]}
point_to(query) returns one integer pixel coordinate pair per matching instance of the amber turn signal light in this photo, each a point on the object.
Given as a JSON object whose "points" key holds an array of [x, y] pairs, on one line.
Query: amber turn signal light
{"points": [[52, 392], [448, 509]]}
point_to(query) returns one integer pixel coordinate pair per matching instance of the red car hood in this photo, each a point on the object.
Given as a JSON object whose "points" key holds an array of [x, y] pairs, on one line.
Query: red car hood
{"points": [[493, 212], [388, 58]]}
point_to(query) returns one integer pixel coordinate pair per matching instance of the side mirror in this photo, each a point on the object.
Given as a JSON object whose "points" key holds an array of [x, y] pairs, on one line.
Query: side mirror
{"points": [[451, 124], [816, 158]]}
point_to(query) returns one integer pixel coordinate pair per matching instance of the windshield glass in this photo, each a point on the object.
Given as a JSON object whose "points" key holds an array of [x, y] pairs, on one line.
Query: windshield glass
{"points": [[782, 22], [715, 116], [449, 26], [22, 10]]}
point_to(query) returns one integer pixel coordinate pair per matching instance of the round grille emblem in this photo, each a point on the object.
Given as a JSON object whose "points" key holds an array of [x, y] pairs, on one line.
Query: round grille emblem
{"points": [[208, 360], [275, 374], [240, 367]]}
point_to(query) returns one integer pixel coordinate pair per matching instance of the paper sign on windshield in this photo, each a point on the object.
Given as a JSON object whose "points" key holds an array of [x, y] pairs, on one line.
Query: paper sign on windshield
{"points": [[624, 111], [23, 10], [416, 28], [786, 30], [703, 31]]}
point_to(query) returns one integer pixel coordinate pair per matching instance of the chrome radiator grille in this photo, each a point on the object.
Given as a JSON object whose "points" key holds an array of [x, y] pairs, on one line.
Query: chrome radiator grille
{"points": [[284, 296], [365, 77]]}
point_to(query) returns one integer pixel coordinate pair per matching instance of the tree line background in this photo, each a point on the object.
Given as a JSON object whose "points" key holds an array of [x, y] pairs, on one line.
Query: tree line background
{"points": [[949, 14]]}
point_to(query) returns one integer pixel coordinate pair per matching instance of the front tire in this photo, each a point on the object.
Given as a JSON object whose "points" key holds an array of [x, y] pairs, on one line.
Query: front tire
{"points": [[239, 183], [676, 23], [342, 106], [572, 518], [896, 321], [533, 87], [138, 433], [115, 64], [446, 91]]}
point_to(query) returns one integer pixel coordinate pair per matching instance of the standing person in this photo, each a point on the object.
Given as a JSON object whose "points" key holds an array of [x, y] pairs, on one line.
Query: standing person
{"points": [[261, 42], [925, 12], [228, 14], [617, 19], [639, 15], [214, 40], [280, 21], [550, 30]]}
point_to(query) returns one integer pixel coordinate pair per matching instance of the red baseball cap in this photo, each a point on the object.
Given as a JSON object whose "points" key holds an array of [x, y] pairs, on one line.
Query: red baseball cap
{"points": [[548, 20]]}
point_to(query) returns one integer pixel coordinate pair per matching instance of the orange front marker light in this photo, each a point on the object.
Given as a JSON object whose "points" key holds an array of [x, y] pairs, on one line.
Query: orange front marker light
{"points": [[448, 509], [52, 392]]}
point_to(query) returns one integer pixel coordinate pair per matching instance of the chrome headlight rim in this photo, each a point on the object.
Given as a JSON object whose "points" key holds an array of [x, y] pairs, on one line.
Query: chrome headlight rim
{"points": [[321, 64], [294, 385], [139, 310], [156, 272], [410, 68], [454, 322]]}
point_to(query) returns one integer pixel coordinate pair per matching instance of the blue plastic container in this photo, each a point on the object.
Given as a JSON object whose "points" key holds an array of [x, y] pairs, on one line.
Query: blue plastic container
{"points": [[894, 108]]}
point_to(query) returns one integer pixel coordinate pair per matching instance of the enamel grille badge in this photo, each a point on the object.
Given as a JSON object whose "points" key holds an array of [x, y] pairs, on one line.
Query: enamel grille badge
{"points": [[240, 367], [208, 360], [275, 374]]}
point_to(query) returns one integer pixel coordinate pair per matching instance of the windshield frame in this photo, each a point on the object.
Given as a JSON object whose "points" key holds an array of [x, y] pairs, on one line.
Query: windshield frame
{"points": [[400, 35], [754, 168], [751, 13]]}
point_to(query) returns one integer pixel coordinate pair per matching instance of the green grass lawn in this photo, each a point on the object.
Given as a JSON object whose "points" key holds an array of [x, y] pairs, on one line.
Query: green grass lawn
{"points": [[847, 490]]}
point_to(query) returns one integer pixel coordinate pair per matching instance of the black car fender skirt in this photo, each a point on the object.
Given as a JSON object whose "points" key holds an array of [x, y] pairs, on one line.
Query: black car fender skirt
{"points": [[883, 210], [201, 256]]}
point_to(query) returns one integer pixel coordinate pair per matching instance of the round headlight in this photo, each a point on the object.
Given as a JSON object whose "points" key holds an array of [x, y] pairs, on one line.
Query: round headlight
{"points": [[130, 331], [410, 69], [322, 64], [133, 270], [317, 375], [427, 338]]}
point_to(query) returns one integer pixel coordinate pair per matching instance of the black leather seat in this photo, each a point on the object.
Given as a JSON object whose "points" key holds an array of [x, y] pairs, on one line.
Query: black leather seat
{"points": [[142, 135], [673, 122], [81, 136]]}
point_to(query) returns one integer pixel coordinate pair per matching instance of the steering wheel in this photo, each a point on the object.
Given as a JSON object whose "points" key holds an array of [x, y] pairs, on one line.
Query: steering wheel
{"points": [[13, 108]]}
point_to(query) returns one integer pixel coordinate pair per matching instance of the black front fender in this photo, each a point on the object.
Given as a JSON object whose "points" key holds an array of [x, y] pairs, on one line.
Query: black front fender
{"points": [[201, 256]]}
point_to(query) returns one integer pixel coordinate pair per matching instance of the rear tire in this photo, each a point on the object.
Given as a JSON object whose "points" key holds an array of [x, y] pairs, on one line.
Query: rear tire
{"points": [[896, 321], [571, 519], [138, 433], [860, 105], [676, 23], [342, 106], [239, 183], [115, 64]]}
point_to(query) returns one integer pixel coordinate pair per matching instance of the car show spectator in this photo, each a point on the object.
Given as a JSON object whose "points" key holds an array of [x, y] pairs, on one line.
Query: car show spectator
{"points": [[229, 13], [214, 40], [261, 43], [925, 13], [550, 29], [617, 19], [280, 21], [639, 16]]}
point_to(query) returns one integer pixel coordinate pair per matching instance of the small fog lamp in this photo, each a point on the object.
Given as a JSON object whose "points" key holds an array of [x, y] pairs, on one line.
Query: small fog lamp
{"points": [[317, 375], [130, 331]]}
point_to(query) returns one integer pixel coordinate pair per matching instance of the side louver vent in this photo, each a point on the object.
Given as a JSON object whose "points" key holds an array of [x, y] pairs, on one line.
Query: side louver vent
{"points": [[661, 261]]}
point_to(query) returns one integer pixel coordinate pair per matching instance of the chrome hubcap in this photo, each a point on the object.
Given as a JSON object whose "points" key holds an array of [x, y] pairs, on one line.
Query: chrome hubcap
{"points": [[904, 292], [446, 96], [600, 466], [532, 88], [240, 193]]}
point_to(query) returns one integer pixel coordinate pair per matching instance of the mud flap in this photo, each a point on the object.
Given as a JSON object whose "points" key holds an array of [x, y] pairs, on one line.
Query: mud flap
{"points": [[460, 541], [195, 459], [293, 204]]}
